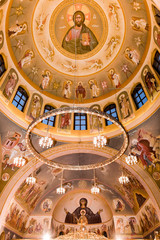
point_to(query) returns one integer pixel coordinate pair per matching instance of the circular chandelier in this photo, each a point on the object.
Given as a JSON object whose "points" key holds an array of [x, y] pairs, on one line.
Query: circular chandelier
{"points": [[85, 110]]}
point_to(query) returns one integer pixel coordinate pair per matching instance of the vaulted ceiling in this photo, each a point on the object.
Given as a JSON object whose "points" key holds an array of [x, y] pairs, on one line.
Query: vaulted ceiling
{"points": [[38, 59]]}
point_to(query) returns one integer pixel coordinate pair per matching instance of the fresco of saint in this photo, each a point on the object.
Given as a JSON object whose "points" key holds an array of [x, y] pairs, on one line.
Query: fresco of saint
{"points": [[79, 38]]}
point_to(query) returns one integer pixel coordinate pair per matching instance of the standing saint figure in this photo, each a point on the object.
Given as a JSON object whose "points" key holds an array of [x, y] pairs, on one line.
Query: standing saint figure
{"points": [[80, 92], [79, 38]]}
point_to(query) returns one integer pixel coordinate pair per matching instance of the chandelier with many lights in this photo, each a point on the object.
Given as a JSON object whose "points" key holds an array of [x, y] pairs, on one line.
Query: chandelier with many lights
{"points": [[31, 180], [123, 179], [95, 189], [131, 159], [46, 142], [19, 161], [99, 141], [61, 189], [89, 111]]}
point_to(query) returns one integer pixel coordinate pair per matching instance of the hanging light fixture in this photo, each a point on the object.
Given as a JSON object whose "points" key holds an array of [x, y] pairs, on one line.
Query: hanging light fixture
{"points": [[19, 161], [131, 159], [95, 189], [46, 142], [31, 180], [123, 179], [61, 189], [99, 141], [59, 111]]}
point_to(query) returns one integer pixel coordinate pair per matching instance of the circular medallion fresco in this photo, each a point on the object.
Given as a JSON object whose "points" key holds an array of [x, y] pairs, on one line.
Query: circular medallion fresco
{"points": [[87, 47]]}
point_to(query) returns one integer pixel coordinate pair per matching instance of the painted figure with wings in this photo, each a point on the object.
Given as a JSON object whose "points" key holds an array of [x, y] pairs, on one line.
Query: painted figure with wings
{"points": [[41, 22], [18, 29], [111, 45]]}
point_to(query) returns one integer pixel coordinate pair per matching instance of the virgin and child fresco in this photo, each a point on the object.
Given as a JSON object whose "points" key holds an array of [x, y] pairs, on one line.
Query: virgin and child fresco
{"points": [[83, 215]]}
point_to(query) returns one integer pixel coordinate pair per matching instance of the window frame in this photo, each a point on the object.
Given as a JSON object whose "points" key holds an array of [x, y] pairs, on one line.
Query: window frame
{"points": [[81, 125], [49, 119], [23, 94], [109, 108], [137, 96]]}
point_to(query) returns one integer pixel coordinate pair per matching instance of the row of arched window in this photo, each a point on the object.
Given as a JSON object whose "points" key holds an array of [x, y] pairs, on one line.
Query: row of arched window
{"points": [[80, 119]]}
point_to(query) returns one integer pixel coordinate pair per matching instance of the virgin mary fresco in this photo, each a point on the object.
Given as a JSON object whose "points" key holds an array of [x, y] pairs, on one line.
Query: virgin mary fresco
{"points": [[79, 38], [83, 213]]}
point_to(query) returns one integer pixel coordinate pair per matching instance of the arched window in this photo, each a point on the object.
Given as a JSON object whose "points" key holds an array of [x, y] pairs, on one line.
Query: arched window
{"points": [[111, 109], [139, 96], [49, 121], [156, 62], [2, 65], [20, 99], [80, 121]]}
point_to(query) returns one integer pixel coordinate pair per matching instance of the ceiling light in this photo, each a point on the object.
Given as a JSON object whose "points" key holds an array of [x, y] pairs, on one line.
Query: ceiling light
{"points": [[123, 179], [131, 159], [95, 189], [61, 189], [45, 142], [99, 141], [19, 161], [31, 180], [74, 109]]}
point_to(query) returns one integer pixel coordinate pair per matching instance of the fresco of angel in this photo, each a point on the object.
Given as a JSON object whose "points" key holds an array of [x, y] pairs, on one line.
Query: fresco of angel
{"points": [[111, 45], [41, 22], [48, 50], [18, 29], [26, 59], [69, 67], [114, 77], [67, 88], [104, 188], [46, 79], [139, 24], [113, 15], [132, 55], [94, 88], [94, 64]]}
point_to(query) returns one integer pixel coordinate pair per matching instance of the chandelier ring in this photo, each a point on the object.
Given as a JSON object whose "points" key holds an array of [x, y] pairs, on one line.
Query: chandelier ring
{"points": [[85, 110]]}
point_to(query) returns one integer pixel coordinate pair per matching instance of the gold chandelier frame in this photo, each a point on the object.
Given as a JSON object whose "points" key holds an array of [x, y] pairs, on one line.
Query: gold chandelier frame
{"points": [[86, 110]]}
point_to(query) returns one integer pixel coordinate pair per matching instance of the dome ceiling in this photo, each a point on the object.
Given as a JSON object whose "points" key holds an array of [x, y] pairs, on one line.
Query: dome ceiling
{"points": [[110, 48]]}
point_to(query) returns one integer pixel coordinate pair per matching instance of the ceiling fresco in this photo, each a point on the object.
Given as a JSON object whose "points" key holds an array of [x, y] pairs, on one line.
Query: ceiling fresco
{"points": [[109, 50], [91, 53]]}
